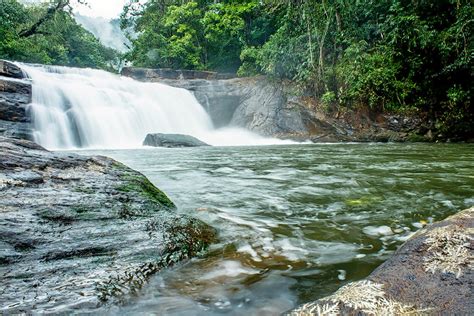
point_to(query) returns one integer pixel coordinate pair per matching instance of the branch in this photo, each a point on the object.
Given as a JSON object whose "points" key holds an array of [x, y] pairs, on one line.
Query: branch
{"points": [[60, 5]]}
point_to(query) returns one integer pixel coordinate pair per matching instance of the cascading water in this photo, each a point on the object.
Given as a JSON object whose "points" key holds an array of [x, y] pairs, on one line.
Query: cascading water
{"points": [[87, 108]]}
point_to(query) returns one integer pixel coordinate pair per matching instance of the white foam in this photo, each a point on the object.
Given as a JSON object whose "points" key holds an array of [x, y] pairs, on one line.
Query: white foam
{"points": [[230, 269], [88, 108], [377, 231]]}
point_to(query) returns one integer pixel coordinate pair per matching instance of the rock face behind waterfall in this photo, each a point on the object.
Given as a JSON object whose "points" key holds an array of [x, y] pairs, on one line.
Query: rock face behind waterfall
{"points": [[172, 140], [273, 108], [77, 232], [15, 95], [432, 273]]}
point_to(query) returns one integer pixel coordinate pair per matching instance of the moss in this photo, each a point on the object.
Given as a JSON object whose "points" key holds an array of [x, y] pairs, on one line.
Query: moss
{"points": [[143, 186], [182, 238], [134, 182], [416, 138]]}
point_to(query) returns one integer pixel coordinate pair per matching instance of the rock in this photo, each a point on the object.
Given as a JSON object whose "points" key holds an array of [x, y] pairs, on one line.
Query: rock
{"points": [[8, 69], [255, 104], [21, 130], [166, 73], [432, 273], [272, 108], [15, 95], [77, 232], [172, 140]]}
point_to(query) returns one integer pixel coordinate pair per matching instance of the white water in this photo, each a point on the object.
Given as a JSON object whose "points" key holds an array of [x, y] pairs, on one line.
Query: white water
{"points": [[87, 108]]}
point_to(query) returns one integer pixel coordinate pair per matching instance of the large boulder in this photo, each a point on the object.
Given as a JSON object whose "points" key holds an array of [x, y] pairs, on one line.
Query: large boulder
{"points": [[172, 140], [15, 96], [432, 273], [9, 69], [77, 232]]}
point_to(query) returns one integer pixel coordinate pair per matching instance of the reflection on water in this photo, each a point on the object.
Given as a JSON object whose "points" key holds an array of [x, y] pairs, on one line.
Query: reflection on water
{"points": [[295, 222]]}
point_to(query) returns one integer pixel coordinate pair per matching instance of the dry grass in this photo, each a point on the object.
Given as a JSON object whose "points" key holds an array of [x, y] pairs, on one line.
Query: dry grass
{"points": [[364, 296], [449, 250]]}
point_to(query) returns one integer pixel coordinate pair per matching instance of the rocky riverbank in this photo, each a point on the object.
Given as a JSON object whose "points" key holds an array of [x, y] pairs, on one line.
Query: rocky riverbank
{"points": [[274, 109], [78, 232], [432, 273]]}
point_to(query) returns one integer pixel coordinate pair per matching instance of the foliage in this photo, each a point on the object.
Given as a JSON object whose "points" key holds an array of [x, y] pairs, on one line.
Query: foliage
{"points": [[195, 34], [384, 54], [394, 55], [42, 34]]}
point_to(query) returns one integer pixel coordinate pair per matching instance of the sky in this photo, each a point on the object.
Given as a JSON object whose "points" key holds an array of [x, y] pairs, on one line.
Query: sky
{"points": [[101, 8]]}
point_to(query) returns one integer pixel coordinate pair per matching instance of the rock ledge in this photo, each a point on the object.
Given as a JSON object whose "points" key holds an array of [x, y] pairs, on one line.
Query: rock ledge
{"points": [[77, 232]]}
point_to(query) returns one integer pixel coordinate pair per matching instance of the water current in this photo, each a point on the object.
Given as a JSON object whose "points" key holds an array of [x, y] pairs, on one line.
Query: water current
{"points": [[295, 222]]}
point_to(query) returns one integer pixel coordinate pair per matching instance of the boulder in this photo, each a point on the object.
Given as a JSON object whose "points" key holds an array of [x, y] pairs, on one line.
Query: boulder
{"points": [[15, 95], [432, 273], [172, 140], [78, 232], [9, 69]]}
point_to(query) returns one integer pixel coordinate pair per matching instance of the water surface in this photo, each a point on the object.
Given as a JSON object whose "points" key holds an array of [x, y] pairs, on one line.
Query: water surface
{"points": [[295, 222]]}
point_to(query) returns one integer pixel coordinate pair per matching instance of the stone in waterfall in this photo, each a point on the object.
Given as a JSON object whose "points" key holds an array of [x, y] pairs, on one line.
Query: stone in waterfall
{"points": [[15, 95], [77, 231], [172, 140]]}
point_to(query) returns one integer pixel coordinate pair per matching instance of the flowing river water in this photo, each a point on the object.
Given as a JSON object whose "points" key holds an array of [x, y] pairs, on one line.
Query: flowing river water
{"points": [[295, 222]]}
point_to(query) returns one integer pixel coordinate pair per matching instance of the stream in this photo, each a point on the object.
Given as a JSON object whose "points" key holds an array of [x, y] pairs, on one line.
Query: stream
{"points": [[295, 222]]}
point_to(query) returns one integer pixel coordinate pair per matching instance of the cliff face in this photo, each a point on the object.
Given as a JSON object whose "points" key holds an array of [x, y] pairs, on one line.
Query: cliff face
{"points": [[15, 95], [272, 109]]}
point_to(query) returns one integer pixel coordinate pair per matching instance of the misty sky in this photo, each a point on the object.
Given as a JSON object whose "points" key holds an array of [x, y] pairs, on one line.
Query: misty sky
{"points": [[103, 8]]}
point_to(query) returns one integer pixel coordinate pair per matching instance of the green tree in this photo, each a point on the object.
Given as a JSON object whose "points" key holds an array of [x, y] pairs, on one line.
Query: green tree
{"points": [[48, 34]]}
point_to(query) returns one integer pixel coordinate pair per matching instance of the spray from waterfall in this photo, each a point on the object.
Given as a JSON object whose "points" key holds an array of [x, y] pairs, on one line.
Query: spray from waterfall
{"points": [[88, 108]]}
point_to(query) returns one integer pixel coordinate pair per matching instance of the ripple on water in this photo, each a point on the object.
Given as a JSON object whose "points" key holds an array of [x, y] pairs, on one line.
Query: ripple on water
{"points": [[295, 222]]}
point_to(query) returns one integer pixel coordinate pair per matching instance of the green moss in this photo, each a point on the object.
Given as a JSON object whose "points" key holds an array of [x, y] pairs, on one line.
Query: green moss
{"points": [[134, 182], [143, 186], [416, 138]]}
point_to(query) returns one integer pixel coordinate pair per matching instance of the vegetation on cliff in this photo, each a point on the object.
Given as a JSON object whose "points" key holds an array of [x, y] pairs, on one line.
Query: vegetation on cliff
{"points": [[47, 33], [395, 55]]}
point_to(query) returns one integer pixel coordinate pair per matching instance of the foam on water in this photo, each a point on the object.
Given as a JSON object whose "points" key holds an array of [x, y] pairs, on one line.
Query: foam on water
{"points": [[88, 108]]}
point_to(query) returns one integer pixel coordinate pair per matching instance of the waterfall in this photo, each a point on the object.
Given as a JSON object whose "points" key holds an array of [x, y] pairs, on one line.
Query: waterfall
{"points": [[88, 108]]}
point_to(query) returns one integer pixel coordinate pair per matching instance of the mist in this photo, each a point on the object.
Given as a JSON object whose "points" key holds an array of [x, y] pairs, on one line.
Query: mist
{"points": [[107, 31]]}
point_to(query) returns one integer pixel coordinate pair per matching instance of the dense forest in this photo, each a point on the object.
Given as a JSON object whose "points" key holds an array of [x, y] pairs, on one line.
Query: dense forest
{"points": [[397, 55], [388, 55], [47, 33]]}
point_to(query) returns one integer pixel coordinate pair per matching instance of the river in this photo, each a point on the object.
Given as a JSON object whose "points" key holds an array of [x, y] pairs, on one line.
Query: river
{"points": [[295, 222]]}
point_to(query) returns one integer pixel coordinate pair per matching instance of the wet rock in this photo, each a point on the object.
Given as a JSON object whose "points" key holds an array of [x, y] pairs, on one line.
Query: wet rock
{"points": [[272, 108], [255, 104], [166, 73], [8, 69], [82, 232], [432, 273], [15, 95], [172, 140]]}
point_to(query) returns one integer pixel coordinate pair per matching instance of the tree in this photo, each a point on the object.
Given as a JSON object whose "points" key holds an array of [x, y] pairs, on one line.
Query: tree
{"points": [[48, 34]]}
